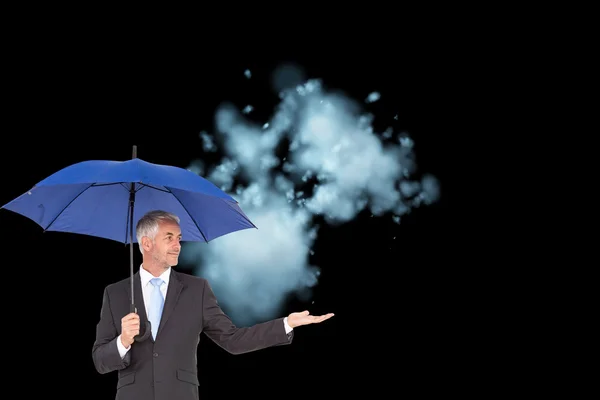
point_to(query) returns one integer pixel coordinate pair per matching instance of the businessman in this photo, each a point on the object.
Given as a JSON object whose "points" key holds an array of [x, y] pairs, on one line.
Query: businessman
{"points": [[173, 308]]}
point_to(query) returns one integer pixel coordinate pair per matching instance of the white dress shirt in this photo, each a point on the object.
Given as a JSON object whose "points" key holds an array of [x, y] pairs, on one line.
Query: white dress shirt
{"points": [[147, 287]]}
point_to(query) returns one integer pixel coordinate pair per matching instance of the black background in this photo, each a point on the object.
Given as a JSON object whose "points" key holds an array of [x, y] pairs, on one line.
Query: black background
{"points": [[399, 307]]}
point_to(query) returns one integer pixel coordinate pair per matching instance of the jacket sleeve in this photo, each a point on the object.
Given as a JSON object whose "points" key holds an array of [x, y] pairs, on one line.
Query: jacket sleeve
{"points": [[104, 351], [220, 329]]}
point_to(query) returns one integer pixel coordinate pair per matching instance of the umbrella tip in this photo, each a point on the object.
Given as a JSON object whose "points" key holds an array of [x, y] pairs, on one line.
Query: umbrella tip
{"points": [[134, 155]]}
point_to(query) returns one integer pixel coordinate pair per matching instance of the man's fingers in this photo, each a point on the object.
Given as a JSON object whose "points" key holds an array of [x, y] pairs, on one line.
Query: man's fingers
{"points": [[130, 324], [321, 318], [131, 316]]}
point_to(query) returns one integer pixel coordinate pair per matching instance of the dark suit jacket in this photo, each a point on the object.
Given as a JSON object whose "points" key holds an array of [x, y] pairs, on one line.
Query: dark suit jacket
{"points": [[166, 369]]}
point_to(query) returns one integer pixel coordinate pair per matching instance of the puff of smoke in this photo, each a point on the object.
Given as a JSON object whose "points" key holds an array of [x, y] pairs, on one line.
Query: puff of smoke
{"points": [[335, 166]]}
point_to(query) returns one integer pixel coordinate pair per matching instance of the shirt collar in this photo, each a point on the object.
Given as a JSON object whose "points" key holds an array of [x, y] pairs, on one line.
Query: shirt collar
{"points": [[146, 276]]}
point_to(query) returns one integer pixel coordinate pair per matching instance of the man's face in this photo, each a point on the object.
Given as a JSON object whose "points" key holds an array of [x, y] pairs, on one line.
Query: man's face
{"points": [[167, 244]]}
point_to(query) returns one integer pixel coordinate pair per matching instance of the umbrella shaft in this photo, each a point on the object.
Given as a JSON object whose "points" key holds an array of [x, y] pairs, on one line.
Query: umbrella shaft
{"points": [[131, 202]]}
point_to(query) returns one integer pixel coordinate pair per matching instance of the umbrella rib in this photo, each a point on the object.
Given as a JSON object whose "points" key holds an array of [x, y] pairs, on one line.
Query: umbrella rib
{"points": [[67, 206], [140, 187], [199, 230], [108, 184], [153, 187]]}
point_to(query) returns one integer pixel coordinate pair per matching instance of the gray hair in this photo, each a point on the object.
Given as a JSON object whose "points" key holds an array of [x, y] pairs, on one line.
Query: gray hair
{"points": [[148, 224]]}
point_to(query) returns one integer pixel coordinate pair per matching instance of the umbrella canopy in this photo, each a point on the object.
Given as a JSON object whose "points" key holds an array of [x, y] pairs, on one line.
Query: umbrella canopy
{"points": [[96, 197], [105, 199]]}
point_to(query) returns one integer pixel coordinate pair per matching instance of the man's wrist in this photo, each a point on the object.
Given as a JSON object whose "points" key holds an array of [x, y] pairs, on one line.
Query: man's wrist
{"points": [[286, 323], [124, 343]]}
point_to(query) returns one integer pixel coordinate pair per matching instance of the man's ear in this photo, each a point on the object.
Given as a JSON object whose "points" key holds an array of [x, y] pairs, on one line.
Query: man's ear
{"points": [[146, 243]]}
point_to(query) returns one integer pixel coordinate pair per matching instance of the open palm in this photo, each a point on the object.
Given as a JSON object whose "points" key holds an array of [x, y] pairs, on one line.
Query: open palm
{"points": [[304, 318]]}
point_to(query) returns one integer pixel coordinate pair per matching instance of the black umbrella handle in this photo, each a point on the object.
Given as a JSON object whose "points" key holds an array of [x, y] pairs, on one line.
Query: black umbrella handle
{"points": [[145, 335], [146, 332]]}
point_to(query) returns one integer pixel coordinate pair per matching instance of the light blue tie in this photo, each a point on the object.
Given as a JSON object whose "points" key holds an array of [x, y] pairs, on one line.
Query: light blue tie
{"points": [[156, 305]]}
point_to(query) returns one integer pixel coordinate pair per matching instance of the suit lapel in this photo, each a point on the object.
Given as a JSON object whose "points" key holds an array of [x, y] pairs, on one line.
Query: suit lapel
{"points": [[173, 293]]}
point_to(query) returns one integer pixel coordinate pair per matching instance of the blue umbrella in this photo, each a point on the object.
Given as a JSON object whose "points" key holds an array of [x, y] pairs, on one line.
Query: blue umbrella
{"points": [[106, 199]]}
